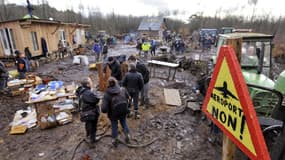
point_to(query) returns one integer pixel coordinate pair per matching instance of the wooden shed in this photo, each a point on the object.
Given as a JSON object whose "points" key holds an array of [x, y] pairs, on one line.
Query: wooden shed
{"points": [[152, 27], [38, 34]]}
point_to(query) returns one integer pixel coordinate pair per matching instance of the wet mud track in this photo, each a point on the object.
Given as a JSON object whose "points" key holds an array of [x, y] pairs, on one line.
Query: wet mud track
{"points": [[181, 136]]}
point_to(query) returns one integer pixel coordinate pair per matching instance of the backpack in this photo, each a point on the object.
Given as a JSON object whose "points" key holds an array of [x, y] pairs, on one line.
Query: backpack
{"points": [[119, 105]]}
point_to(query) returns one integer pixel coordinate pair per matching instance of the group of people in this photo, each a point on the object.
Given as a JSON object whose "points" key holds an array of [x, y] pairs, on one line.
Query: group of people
{"points": [[100, 48], [178, 46], [144, 46], [23, 66], [64, 49], [121, 94]]}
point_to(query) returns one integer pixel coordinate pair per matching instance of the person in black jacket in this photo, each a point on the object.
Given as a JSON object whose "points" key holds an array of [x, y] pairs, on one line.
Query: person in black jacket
{"points": [[141, 68], [133, 82], [119, 113], [22, 64], [4, 75], [115, 68], [88, 103], [105, 51]]}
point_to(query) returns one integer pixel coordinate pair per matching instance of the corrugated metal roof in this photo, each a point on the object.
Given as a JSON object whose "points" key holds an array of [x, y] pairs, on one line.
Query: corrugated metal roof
{"points": [[150, 23], [247, 35]]}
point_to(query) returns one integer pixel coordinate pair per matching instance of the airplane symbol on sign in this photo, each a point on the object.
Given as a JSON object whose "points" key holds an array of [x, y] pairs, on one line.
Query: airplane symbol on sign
{"points": [[226, 93]]}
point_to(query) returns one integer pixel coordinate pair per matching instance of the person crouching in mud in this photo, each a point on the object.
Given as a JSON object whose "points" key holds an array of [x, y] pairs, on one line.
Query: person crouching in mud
{"points": [[88, 104], [115, 104]]}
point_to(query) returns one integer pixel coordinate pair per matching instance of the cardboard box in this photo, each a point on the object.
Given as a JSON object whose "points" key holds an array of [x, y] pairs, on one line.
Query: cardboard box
{"points": [[66, 117], [47, 121]]}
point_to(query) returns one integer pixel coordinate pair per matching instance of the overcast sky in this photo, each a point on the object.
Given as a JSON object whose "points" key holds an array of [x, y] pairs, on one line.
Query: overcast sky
{"points": [[185, 7]]}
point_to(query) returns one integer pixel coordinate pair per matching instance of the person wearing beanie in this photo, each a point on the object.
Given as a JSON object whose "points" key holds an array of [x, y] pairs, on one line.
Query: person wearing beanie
{"points": [[115, 67], [133, 82], [142, 69]]}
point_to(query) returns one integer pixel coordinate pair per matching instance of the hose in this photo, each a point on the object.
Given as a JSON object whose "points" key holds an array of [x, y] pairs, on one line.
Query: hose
{"points": [[103, 135]]}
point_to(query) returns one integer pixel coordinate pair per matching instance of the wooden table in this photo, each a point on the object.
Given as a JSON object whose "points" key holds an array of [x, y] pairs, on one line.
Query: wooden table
{"points": [[154, 63]]}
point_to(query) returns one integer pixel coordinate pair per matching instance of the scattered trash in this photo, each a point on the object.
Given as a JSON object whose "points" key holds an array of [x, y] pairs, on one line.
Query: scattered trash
{"points": [[27, 118], [63, 118], [66, 104], [179, 145], [194, 106], [80, 59], [92, 66], [41, 154], [76, 60], [47, 121]]}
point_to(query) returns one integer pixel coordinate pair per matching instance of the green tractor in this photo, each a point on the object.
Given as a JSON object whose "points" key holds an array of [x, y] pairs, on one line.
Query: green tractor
{"points": [[256, 63], [267, 94]]}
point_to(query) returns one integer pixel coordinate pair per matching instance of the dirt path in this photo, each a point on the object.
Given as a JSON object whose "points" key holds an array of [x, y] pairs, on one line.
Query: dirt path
{"points": [[182, 136]]}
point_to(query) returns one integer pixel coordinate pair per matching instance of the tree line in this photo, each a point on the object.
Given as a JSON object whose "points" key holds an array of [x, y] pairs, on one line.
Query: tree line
{"points": [[118, 24]]}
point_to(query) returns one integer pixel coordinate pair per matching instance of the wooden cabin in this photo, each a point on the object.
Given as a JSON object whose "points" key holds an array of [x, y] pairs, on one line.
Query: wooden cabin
{"points": [[152, 27], [37, 34]]}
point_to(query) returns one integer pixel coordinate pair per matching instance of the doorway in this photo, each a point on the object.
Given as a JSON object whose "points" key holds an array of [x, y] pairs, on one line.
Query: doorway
{"points": [[8, 41]]}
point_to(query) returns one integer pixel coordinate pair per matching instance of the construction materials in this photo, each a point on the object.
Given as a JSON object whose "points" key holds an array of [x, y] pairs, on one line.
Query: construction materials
{"points": [[172, 97], [154, 63]]}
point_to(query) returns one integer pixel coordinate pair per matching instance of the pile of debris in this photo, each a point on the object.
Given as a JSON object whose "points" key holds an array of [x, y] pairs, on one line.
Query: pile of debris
{"points": [[50, 105]]}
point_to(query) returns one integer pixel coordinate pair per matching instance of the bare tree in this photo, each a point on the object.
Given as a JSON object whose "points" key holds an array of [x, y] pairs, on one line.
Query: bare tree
{"points": [[253, 3]]}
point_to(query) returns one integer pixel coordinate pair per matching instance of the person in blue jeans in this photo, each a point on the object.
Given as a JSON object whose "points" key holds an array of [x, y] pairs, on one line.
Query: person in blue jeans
{"points": [[115, 104], [97, 50]]}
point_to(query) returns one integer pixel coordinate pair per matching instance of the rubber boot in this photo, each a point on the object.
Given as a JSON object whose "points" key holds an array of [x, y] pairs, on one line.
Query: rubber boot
{"points": [[127, 138], [115, 142], [142, 102], [146, 103], [137, 115], [130, 114]]}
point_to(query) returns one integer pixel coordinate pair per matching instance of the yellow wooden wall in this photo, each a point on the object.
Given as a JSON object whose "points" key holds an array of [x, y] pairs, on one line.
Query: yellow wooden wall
{"points": [[17, 37], [50, 32]]}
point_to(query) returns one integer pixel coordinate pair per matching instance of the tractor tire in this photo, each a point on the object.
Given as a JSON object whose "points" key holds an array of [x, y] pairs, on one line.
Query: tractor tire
{"points": [[277, 152]]}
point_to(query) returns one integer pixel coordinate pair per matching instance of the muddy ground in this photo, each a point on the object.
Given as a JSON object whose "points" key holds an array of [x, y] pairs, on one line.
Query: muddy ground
{"points": [[180, 136]]}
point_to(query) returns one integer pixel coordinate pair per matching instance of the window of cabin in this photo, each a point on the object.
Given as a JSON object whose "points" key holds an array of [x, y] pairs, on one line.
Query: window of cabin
{"points": [[35, 41], [62, 37]]}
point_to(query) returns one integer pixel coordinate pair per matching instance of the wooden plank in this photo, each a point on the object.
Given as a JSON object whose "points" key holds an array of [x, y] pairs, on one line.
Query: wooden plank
{"points": [[172, 97], [18, 129], [173, 65]]}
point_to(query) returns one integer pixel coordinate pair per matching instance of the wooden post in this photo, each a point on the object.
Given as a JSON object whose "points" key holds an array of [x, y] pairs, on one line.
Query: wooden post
{"points": [[103, 77], [229, 148], [124, 68], [99, 67], [236, 44]]}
